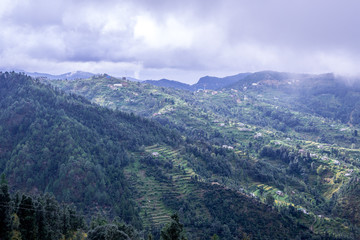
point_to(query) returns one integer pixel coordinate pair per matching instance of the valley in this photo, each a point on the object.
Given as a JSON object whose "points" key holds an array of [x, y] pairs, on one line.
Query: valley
{"points": [[250, 160], [283, 148]]}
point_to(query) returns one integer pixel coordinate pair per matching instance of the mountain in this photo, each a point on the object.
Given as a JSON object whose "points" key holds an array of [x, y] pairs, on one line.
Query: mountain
{"points": [[327, 95], [274, 144], [210, 83], [169, 84], [64, 76], [139, 170], [52, 142], [266, 76], [215, 83]]}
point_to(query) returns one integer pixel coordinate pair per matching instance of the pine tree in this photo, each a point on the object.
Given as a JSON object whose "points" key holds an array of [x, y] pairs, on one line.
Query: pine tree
{"points": [[26, 213], [4, 209], [40, 221], [215, 237], [107, 232], [52, 218], [65, 221], [173, 230], [15, 225]]}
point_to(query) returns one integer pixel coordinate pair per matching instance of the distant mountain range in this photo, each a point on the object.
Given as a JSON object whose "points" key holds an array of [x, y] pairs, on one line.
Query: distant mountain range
{"points": [[207, 82], [65, 76], [269, 78], [237, 81], [215, 83], [68, 76]]}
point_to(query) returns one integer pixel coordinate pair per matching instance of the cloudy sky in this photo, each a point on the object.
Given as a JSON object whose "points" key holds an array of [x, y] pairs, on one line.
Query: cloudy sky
{"points": [[180, 39]]}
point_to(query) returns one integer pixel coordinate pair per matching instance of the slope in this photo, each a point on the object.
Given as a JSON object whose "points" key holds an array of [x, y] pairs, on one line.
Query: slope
{"points": [[169, 84], [66, 145], [215, 83], [247, 142], [54, 142], [327, 95]]}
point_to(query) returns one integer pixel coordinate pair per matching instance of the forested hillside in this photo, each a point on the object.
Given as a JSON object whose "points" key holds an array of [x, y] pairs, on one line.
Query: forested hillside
{"points": [[257, 137], [43, 217], [109, 162], [53, 142], [225, 167]]}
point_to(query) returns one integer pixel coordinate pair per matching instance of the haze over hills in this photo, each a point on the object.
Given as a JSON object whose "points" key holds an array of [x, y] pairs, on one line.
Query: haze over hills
{"points": [[247, 79]]}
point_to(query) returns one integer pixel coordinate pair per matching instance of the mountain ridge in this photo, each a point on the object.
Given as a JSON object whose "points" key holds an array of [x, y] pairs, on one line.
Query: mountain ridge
{"points": [[206, 82]]}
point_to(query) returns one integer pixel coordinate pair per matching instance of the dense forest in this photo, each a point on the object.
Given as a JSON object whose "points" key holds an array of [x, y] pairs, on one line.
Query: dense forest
{"points": [[76, 149], [42, 217]]}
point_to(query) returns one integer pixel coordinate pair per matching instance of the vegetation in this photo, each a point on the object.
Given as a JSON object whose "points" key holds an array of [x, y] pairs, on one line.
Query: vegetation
{"points": [[77, 149], [40, 217], [238, 163]]}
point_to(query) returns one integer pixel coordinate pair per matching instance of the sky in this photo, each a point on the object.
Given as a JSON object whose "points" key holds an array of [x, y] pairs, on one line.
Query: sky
{"points": [[180, 40]]}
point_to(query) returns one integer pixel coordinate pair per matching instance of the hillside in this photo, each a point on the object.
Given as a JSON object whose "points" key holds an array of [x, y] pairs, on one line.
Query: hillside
{"points": [[169, 84], [298, 157], [325, 95], [117, 164], [215, 83], [66, 145]]}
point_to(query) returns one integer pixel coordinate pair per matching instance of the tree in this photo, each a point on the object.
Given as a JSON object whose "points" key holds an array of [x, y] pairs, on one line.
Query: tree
{"points": [[15, 224], [173, 230], [41, 223], [215, 237], [52, 216], [4, 209], [107, 232], [27, 218]]}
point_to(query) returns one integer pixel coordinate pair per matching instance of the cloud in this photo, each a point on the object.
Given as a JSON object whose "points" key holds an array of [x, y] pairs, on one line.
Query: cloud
{"points": [[180, 38], [170, 34]]}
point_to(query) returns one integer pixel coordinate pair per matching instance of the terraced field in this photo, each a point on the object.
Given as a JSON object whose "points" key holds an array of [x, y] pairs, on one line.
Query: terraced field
{"points": [[153, 194], [175, 158]]}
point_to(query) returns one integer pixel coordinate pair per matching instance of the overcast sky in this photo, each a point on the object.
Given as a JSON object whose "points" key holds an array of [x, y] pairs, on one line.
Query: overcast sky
{"points": [[180, 39]]}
